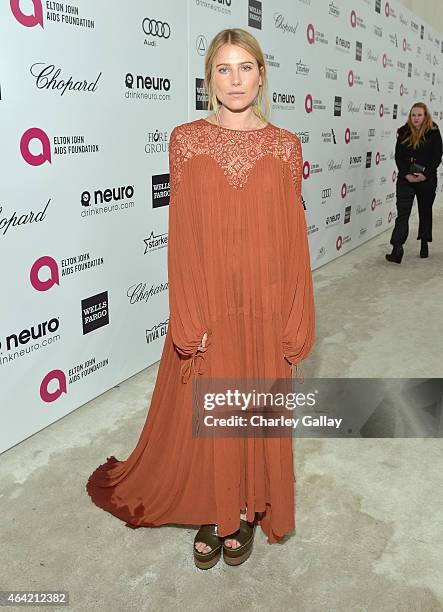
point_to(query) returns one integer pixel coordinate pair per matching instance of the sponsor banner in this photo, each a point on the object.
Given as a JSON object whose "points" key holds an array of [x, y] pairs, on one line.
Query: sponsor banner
{"points": [[89, 95]]}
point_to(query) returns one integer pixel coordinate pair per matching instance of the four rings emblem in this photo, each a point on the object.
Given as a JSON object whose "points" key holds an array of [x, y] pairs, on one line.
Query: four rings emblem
{"points": [[152, 27]]}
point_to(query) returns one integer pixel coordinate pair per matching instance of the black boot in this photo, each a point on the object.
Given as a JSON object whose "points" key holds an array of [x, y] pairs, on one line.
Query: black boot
{"points": [[396, 255], [424, 251]]}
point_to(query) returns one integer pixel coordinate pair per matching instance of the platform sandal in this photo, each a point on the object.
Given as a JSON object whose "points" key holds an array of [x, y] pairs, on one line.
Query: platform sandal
{"points": [[245, 537], [207, 534]]}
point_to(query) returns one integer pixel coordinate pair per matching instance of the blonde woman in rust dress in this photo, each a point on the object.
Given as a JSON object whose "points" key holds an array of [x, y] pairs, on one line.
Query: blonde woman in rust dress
{"points": [[241, 306]]}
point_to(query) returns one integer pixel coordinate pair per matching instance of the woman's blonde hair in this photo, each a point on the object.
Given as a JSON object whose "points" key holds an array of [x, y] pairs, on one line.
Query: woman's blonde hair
{"points": [[241, 38], [415, 136]]}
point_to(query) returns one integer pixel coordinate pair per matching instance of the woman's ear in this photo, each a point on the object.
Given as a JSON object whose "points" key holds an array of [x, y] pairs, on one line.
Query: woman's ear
{"points": [[261, 70]]}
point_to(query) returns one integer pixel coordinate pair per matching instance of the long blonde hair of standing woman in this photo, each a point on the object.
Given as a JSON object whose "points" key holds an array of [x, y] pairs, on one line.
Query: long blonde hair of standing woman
{"points": [[415, 136]]}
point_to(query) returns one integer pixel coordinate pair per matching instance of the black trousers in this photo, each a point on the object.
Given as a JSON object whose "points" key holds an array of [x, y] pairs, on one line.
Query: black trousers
{"points": [[406, 192]]}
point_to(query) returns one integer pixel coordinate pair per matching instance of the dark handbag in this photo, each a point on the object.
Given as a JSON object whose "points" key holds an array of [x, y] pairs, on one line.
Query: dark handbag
{"points": [[416, 168]]}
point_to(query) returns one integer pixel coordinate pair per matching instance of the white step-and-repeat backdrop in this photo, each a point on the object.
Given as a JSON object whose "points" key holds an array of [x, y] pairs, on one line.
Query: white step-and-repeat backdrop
{"points": [[89, 94]]}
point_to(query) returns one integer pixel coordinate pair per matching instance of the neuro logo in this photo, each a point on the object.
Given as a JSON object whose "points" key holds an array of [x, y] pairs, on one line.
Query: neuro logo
{"points": [[129, 80], [34, 276], [306, 170], [86, 198], [310, 34], [35, 18], [106, 195], [40, 158], [51, 396], [308, 103]]}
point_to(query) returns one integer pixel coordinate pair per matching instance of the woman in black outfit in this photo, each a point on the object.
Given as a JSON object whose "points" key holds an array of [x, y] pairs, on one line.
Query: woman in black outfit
{"points": [[418, 153]]}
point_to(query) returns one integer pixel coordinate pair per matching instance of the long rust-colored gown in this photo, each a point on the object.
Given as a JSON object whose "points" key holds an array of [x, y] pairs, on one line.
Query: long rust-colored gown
{"points": [[239, 269]]}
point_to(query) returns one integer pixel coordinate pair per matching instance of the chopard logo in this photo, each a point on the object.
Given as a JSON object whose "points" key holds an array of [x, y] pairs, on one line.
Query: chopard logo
{"points": [[281, 24]]}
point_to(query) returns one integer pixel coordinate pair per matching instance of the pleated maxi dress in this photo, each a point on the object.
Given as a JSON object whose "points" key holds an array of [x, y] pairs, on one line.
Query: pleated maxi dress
{"points": [[238, 269]]}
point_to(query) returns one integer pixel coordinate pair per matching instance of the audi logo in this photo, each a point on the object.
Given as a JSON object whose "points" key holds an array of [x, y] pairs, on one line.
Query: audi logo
{"points": [[152, 27]]}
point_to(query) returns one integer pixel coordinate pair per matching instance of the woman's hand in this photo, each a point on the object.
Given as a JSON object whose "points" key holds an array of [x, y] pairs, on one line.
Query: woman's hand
{"points": [[415, 178], [203, 346]]}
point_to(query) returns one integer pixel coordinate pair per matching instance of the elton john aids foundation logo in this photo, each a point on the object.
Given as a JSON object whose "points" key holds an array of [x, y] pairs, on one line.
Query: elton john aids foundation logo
{"points": [[34, 276], [353, 19], [35, 159], [57, 376], [310, 34], [308, 103], [35, 18], [306, 170]]}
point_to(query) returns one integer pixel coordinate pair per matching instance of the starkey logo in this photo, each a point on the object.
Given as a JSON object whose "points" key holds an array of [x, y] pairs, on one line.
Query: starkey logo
{"points": [[39, 158], [31, 20]]}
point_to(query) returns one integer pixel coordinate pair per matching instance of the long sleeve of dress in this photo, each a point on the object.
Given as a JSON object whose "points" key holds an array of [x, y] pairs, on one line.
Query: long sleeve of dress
{"points": [[298, 302], [188, 315]]}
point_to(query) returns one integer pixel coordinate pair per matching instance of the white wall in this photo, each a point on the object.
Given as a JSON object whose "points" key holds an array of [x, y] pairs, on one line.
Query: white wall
{"points": [[430, 11]]}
